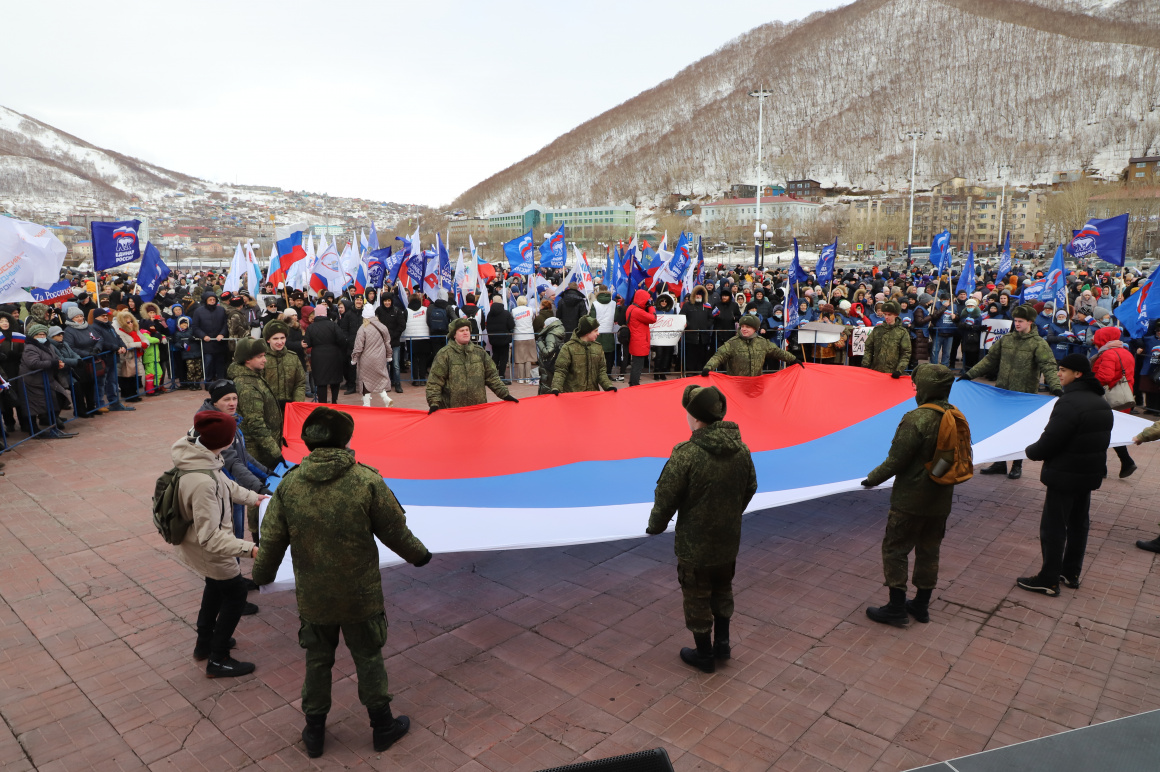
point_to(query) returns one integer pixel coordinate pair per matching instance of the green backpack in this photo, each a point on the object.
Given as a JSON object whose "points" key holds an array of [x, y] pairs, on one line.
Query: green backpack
{"points": [[167, 517]]}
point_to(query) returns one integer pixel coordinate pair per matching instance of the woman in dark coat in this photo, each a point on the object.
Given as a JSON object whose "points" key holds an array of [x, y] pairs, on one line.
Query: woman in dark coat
{"points": [[209, 325], [37, 361], [327, 346]]}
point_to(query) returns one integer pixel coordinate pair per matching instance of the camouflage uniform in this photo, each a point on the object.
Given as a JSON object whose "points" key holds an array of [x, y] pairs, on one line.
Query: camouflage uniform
{"points": [[1151, 433], [1019, 358], [237, 326], [459, 375], [919, 506], [329, 509], [708, 481], [746, 356], [285, 376], [261, 415], [580, 366], [888, 348]]}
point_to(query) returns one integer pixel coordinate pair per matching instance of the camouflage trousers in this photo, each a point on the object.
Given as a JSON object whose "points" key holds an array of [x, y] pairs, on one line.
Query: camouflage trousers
{"points": [[924, 536], [708, 593], [365, 641]]}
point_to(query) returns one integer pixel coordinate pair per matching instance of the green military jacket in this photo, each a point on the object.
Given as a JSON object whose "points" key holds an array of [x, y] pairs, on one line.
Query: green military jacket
{"points": [[1019, 358], [459, 375], [887, 348], [746, 356], [1151, 433], [328, 510], [708, 482], [285, 376], [914, 445], [261, 415], [580, 366]]}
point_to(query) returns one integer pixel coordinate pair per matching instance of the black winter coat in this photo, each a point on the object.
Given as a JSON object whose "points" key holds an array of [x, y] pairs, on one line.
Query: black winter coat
{"points": [[396, 321], [328, 355], [1074, 444], [210, 321], [501, 324], [569, 310], [697, 317], [349, 323]]}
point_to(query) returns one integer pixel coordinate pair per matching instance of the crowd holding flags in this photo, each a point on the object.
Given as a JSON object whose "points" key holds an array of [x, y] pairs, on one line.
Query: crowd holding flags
{"points": [[967, 275]]}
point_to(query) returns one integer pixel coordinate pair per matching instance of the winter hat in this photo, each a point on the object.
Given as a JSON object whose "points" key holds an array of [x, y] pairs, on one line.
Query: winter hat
{"points": [[274, 327], [705, 403], [215, 429], [1076, 362], [844, 305], [184, 319], [586, 325], [36, 329], [1061, 315], [455, 324], [749, 320], [368, 311], [69, 310], [891, 307], [972, 303], [247, 349], [1024, 312], [54, 331], [327, 428], [1106, 335], [219, 389]]}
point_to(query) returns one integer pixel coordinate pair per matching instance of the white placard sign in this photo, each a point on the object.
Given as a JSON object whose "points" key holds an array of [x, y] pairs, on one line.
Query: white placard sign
{"points": [[858, 340], [667, 329], [996, 328]]}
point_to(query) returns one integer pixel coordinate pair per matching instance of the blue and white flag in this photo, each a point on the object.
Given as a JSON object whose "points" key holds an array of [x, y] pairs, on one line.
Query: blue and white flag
{"points": [[1005, 259], [824, 269], [115, 243], [446, 279], [60, 291], [617, 279], [152, 272], [1055, 283], [554, 251], [675, 263], [967, 277], [796, 274], [518, 252], [940, 252], [1142, 306], [1105, 239], [792, 317]]}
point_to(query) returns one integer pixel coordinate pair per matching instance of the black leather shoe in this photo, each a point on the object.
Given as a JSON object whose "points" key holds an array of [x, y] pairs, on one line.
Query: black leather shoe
{"points": [[384, 735], [1015, 473], [314, 735], [1038, 584], [249, 610], [1152, 545], [228, 668]]}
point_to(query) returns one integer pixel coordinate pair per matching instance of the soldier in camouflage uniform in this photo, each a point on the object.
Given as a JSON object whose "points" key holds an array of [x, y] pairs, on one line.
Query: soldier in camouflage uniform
{"points": [[328, 511], [580, 365], [259, 411], [1018, 358], [461, 370], [708, 482], [888, 346], [284, 373], [919, 506], [745, 354]]}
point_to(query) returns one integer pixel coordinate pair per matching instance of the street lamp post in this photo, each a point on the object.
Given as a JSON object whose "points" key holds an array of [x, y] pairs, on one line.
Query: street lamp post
{"points": [[761, 95], [914, 135]]}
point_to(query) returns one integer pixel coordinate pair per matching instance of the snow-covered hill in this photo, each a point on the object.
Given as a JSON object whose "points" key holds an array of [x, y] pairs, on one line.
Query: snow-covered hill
{"points": [[1017, 88]]}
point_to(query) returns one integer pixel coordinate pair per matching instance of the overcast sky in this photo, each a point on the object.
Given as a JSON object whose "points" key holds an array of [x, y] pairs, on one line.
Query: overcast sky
{"points": [[411, 102]]}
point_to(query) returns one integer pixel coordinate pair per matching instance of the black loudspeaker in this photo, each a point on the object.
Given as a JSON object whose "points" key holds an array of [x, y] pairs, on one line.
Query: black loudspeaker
{"points": [[655, 760]]}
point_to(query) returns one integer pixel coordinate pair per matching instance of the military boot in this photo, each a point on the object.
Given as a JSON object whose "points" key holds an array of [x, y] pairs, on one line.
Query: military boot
{"points": [[918, 606], [894, 612], [702, 656], [386, 729], [314, 735], [721, 648]]}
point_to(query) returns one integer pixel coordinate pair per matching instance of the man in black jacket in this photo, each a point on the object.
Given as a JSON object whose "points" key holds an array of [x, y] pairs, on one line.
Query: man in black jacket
{"points": [[209, 324], [394, 318], [1073, 449], [571, 307], [500, 326], [349, 320]]}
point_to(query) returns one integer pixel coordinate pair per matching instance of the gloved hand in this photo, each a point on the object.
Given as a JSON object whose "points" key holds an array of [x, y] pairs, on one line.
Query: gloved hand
{"points": [[896, 375], [554, 392], [424, 560], [432, 409], [610, 388], [284, 443], [1057, 392], [651, 532], [800, 364], [867, 484], [280, 460], [963, 377], [705, 373], [510, 398]]}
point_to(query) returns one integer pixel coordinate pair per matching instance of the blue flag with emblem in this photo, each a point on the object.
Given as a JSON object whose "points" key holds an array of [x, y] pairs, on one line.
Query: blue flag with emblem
{"points": [[1055, 283], [115, 243], [824, 269], [940, 252], [796, 274], [152, 272], [1005, 259], [967, 277], [554, 252], [1105, 239], [792, 317], [519, 253], [617, 278], [1142, 306]]}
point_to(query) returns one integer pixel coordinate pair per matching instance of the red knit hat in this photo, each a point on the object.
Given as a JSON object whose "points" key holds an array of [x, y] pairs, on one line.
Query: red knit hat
{"points": [[215, 429]]}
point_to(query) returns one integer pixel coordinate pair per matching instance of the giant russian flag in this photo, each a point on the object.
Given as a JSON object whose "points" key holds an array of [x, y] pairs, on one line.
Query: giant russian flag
{"points": [[813, 432]]}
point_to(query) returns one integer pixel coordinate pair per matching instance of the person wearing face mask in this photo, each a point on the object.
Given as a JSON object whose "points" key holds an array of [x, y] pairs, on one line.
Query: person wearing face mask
{"points": [[45, 385], [970, 333], [707, 483], [1059, 336]]}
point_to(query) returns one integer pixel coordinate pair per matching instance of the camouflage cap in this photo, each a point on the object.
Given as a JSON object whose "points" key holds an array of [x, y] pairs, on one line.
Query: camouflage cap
{"points": [[891, 307], [455, 324], [1024, 312], [274, 327], [247, 349], [749, 320], [327, 428], [706, 404], [586, 325]]}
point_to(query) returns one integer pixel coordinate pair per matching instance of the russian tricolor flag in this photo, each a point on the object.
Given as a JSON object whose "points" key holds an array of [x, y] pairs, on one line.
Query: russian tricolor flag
{"points": [[813, 432], [290, 249]]}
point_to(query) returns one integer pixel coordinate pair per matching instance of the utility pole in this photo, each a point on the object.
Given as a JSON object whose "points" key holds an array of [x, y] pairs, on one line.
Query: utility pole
{"points": [[914, 135], [761, 95]]}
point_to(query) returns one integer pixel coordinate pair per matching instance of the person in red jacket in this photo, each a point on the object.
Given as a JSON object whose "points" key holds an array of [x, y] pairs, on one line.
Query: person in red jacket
{"points": [[639, 316], [1113, 362]]}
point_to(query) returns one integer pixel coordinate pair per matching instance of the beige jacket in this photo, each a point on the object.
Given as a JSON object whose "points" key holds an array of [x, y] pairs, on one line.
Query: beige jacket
{"points": [[209, 547]]}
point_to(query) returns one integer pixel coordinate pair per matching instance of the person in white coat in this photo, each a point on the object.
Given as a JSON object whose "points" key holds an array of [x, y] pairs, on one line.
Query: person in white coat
{"points": [[525, 341]]}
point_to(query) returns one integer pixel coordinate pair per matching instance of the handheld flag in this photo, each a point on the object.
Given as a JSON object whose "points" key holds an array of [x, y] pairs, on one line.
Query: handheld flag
{"points": [[940, 252], [444, 266], [518, 252], [288, 241], [1005, 259], [1105, 239], [115, 243], [554, 252], [253, 272], [30, 256], [1141, 307], [792, 317], [57, 293], [151, 273], [967, 277], [824, 269], [238, 267], [617, 279], [1054, 285], [327, 273], [796, 274]]}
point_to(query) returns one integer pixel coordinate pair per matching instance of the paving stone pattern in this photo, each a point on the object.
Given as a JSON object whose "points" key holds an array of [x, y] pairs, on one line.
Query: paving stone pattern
{"points": [[528, 659]]}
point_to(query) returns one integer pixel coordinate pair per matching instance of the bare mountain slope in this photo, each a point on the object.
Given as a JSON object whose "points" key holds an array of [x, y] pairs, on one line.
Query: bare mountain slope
{"points": [[41, 161], [1021, 87]]}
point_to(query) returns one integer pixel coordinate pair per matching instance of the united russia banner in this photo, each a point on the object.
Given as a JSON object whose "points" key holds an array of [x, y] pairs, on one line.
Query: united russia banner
{"points": [[115, 243], [514, 497]]}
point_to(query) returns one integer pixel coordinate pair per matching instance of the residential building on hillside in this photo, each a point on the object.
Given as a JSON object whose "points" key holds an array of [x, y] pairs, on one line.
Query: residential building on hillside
{"points": [[579, 222], [733, 218], [750, 191], [1144, 170], [458, 231], [807, 189]]}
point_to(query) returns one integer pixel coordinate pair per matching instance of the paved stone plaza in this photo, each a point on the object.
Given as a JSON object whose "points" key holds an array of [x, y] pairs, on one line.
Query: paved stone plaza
{"points": [[522, 660]]}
